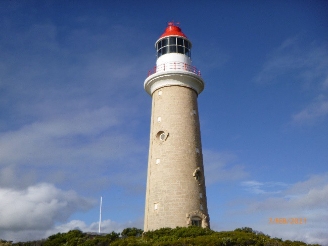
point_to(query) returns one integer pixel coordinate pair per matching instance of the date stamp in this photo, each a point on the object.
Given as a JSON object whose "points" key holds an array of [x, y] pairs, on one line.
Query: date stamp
{"points": [[290, 221]]}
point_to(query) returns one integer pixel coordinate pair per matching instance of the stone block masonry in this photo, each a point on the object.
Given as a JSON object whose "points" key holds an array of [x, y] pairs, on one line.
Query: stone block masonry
{"points": [[176, 192]]}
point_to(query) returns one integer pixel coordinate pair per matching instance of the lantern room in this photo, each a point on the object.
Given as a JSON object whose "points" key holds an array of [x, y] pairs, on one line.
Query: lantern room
{"points": [[173, 45], [173, 40]]}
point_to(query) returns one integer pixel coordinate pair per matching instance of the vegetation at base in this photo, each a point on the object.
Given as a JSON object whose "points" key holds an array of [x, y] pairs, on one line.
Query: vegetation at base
{"points": [[180, 236]]}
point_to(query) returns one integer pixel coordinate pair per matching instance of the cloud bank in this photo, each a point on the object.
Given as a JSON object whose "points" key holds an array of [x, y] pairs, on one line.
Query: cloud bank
{"points": [[37, 207], [306, 200]]}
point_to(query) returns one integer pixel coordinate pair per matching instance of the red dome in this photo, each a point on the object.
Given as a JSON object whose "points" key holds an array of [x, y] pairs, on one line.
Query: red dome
{"points": [[173, 30]]}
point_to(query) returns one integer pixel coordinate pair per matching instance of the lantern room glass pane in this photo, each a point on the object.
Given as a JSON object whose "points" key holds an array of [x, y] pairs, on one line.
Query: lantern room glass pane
{"points": [[164, 42], [164, 50], [180, 49], [180, 41], [159, 53], [187, 52], [172, 40], [159, 45], [173, 45], [187, 45], [173, 49]]}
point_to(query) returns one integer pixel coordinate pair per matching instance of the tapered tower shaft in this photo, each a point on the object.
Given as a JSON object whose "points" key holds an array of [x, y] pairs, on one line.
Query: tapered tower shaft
{"points": [[176, 192]]}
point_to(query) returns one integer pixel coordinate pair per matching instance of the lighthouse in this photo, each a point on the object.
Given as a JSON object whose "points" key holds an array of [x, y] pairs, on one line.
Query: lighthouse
{"points": [[176, 192]]}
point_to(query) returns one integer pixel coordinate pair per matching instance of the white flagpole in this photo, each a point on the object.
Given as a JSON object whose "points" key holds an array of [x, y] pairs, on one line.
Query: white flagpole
{"points": [[100, 215]]}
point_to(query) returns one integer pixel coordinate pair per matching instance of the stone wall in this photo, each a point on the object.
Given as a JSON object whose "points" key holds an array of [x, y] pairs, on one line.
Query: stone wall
{"points": [[176, 190]]}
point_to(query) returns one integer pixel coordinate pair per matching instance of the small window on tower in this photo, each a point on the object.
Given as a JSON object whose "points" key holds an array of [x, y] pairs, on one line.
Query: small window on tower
{"points": [[155, 206], [159, 119], [160, 93], [198, 175], [196, 221], [158, 161], [162, 135]]}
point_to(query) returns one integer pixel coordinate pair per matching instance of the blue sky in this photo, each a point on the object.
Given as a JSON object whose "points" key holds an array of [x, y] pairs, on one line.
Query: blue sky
{"points": [[74, 117]]}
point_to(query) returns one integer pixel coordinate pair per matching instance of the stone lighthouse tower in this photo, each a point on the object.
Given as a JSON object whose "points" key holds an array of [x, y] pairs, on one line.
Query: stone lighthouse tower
{"points": [[176, 192]]}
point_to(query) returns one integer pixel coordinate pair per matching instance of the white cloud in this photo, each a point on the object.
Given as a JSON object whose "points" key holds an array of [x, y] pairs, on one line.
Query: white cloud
{"points": [[325, 84], [55, 149], [316, 198], [67, 111], [27, 142], [314, 111], [38, 207], [220, 166], [306, 200], [314, 181], [67, 119], [263, 187], [306, 63], [41, 210]]}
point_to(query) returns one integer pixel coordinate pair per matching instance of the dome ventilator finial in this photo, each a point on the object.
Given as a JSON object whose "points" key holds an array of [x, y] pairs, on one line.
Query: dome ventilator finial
{"points": [[172, 23]]}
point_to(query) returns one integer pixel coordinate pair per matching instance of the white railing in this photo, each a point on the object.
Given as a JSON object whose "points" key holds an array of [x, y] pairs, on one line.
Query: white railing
{"points": [[174, 66]]}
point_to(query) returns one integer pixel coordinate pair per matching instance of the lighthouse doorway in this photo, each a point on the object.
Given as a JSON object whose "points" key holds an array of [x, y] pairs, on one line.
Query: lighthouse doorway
{"points": [[196, 221]]}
